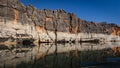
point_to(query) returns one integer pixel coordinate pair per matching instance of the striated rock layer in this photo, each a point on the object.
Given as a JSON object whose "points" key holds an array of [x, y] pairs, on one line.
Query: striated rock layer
{"points": [[19, 21]]}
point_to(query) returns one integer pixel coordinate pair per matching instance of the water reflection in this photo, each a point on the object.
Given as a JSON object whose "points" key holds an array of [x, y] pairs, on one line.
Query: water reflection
{"points": [[85, 55]]}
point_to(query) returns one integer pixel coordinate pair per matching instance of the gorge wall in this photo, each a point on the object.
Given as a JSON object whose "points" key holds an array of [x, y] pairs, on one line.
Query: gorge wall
{"points": [[17, 20]]}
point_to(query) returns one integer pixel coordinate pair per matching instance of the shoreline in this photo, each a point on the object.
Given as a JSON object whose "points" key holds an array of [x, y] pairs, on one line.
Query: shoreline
{"points": [[27, 41]]}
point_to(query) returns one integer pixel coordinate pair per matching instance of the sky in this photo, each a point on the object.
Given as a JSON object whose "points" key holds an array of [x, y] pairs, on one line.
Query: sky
{"points": [[90, 10]]}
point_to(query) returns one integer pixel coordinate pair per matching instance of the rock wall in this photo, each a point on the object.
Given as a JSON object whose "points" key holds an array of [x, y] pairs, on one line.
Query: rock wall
{"points": [[116, 31], [15, 18]]}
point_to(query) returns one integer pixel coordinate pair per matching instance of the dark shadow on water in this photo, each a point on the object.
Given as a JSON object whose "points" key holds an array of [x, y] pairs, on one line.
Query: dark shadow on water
{"points": [[27, 42]]}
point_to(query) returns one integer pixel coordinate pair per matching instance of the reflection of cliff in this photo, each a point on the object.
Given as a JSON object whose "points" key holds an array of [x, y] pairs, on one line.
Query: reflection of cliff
{"points": [[116, 51], [86, 52]]}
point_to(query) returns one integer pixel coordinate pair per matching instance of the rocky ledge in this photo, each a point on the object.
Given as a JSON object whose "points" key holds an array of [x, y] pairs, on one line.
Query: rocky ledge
{"points": [[19, 21]]}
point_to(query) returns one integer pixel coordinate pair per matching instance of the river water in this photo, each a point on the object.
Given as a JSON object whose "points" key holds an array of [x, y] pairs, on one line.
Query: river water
{"points": [[68, 55]]}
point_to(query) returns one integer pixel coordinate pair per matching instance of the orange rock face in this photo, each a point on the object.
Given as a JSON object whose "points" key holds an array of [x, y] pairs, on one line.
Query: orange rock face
{"points": [[75, 29], [48, 19], [116, 31], [38, 28]]}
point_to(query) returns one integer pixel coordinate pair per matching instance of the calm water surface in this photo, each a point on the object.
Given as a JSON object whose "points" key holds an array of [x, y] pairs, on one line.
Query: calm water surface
{"points": [[79, 55]]}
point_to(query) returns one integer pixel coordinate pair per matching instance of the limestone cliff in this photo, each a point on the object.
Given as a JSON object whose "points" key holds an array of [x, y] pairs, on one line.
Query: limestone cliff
{"points": [[17, 20]]}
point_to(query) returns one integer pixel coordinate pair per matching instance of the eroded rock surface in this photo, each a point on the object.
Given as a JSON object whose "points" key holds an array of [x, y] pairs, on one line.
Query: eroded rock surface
{"points": [[15, 18]]}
